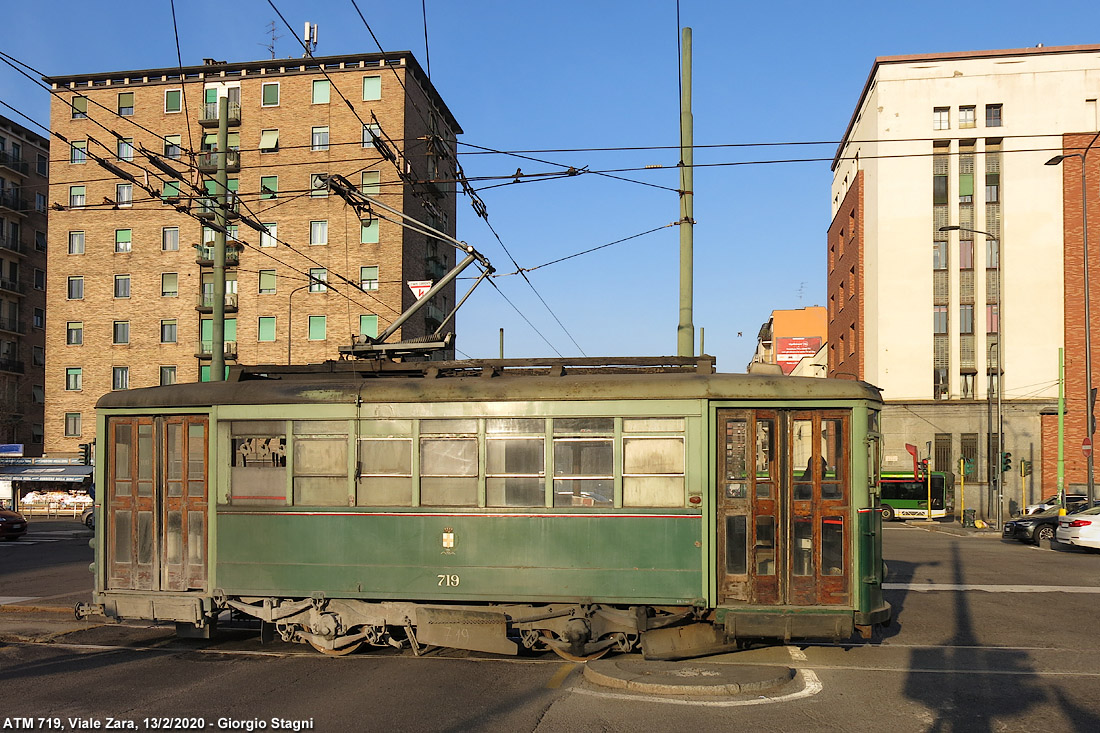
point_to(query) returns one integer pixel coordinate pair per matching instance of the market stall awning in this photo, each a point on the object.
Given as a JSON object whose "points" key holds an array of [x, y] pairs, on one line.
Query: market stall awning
{"points": [[67, 474]]}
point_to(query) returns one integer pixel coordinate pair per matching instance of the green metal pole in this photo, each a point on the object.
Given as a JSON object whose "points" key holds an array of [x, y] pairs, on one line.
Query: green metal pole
{"points": [[685, 331], [1061, 431], [217, 352]]}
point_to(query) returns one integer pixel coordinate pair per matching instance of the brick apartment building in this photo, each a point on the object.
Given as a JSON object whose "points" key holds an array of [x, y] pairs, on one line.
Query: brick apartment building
{"points": [[955, 260], [130, 287], [24, 160]]}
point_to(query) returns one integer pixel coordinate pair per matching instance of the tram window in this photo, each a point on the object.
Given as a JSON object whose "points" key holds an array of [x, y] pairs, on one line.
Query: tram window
{"points": [[765, 448], [736, 450], [320, 427], [653, 424], [584, 425], [803, 555], [515, 470], [802, 454], [448, 471], [123, 441], [196, 459], [145, 538], [736, 545], [174, 551], [653, 472], [583, 471], [448, 426], [196, 522], [123, 520], [385, 473], [174, 458], [764, 549], [832, 452], [145, 462], [832, 545], [258, 464], [321, 471], [495, 426]]}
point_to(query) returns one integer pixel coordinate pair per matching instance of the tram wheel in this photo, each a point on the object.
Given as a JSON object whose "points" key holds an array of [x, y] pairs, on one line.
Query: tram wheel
{"points": [[341, 652], [887, 512], [573, 657]]}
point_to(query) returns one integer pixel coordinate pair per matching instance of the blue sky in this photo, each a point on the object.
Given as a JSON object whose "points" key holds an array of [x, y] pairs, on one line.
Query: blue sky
{"points": [[595, 74]]}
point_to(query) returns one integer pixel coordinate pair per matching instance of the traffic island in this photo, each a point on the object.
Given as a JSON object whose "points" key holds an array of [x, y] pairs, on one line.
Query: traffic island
{"points": [[685, 678]]}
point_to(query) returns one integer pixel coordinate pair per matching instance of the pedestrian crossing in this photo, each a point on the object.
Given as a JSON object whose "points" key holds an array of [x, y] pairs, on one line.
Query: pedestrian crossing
{"points": [[25, 542]]}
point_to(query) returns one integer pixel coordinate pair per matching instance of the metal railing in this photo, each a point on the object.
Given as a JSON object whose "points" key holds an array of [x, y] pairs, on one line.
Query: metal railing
{"points": [[11, 162], [207, 300], [11, 285], [12, 325], [210, 113], [207, 161], [11, 365], [12, 244], [206, 349]]}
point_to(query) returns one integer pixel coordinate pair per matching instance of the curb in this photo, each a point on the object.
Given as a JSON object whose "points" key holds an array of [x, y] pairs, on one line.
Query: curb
{"points": [[646, 679], [37, 609]]}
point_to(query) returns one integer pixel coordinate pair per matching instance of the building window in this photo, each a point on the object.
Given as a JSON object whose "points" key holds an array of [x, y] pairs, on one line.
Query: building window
{"points": [[319, 139], [76, 197], [173, 100], [269, 141], [74, 379], [966, 387], [168, 331], [76, 287], [40, 241], [267, 282], [372, 88], [267, 328], [39, 279], [42, 165], [318, 276], [992, 318], [370, 132], [371, 183], [368, 278], [72, 424], [270, 238], [80, 108], [939, 189], [317, 328], [992, 188], [38, 394], [993, 115], [992, 254], [39, 317], [941, 455], [939, 319], [78, 152], [968, 446], [941, 118], [318, 232], [939, 255], [40, 202], [966, 318], [966, 116], [122, 286], [172, 146], [74, 333], [269, 187], [368, 231], [368, 325], [120, 378], [170, 239], [169, 284], [124, 194], [38, 355], [126, 103], [966, 254], [318, 185], [167, 375], [320, 91], [123, 240], [171, 192], [270, 94], [121, 332], [125, 148]]}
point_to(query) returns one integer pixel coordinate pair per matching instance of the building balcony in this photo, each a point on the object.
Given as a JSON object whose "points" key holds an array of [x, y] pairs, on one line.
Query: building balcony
{"points": [[207, 161], [209, 115], [12, 245], [12, 163], [205, 349], [204, 254], [207, 206], [11, 286], [12, 326], [11, 365], [204, 302], [436, 269], [9, 199]]}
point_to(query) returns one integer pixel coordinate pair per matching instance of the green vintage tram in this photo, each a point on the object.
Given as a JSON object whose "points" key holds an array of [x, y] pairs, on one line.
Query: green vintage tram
{"points": [[581, 506]]}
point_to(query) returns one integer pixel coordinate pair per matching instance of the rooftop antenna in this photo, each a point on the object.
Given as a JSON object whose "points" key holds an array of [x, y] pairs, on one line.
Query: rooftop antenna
{"points": [[271, 46], [309, 38], [801, 292]]}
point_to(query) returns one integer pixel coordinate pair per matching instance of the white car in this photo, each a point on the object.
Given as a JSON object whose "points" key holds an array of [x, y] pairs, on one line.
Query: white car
{"points": [[1052, 501], [1081, 529]]}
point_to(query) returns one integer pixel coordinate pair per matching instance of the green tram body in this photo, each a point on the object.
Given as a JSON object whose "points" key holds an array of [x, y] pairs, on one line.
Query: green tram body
{"points": [[262, 494]]}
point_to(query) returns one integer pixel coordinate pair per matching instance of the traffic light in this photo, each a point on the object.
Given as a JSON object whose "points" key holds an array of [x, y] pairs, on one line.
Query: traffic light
{"points": [[86, 453], [924, 466], [1025, 468], [968, 466], [1006, 462]]}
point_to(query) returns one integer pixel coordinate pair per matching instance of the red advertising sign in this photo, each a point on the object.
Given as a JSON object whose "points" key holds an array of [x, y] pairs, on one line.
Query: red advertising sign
{"points": [[789, 350]]}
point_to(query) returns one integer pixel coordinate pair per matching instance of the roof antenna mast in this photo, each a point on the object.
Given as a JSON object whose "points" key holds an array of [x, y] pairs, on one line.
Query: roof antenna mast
{"points": [[309, 38]]}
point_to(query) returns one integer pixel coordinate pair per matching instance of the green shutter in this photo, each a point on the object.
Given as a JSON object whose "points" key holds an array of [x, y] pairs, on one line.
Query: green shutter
{"points": [[270, 95], [122, 236], [233, 184], [80, 105], [204, 373], [369, 232], [267, 328], [171, 189], [368, 326], [370, 184], [234, 141], [316, 328], [211, 186], [125, 99], [206, 330], [372, 88], [320, 91], [210, 96], [210, 140], [966, 184], [172, 100], [230, 329]]}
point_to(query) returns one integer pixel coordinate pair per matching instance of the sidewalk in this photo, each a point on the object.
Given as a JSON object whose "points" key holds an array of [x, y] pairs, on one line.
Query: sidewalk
{"points": [[952, 528]]}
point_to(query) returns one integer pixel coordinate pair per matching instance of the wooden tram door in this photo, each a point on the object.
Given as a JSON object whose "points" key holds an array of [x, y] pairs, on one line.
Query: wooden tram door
{"points": [[157, 502], [784, 521]]}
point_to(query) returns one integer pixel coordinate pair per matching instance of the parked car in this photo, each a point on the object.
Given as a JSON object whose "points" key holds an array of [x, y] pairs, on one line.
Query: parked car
{"points": [[88, 517], [1081, 529], [13, 525], [1052, 501], [1036, 528]]}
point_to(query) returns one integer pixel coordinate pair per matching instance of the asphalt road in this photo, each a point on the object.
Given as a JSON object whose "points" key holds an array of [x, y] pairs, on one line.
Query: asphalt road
{"points": [[990, 636]]}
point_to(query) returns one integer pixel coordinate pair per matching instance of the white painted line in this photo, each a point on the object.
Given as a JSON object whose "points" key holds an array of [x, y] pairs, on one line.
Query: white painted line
{"points": [[22, 543], [797, 654], [922, 587], [811, 685], [11, 600]]}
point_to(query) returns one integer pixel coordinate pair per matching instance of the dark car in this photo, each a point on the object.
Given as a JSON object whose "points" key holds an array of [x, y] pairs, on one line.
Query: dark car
{"points": [[88, 517], [13, 525], [1036, 528]]}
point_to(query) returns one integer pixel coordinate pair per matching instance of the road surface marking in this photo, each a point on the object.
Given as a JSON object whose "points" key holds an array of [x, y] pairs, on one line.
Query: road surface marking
{"points": [[921, 587], [797, 654], [560, 675], [11, 600], [811, 685]]}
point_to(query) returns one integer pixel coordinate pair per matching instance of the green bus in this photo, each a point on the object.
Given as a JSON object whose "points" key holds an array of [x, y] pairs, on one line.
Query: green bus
{"points": [[903, 496]]}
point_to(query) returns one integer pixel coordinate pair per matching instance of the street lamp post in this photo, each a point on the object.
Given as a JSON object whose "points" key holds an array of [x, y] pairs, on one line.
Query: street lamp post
{"points": [[290, 316], [998, 474], [1089, 422]]}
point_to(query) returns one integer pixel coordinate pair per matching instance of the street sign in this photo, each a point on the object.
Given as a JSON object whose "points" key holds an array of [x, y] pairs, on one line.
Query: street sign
{"points": [[1086, 446], [419, 287]]}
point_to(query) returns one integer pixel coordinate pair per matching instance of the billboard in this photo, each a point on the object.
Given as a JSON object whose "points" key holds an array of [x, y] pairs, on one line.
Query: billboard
{"points": [[789, 350]]}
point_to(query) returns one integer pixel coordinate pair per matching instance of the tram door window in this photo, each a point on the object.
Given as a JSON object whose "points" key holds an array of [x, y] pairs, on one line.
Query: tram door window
{"points": [[157, 489], [783, 507]]}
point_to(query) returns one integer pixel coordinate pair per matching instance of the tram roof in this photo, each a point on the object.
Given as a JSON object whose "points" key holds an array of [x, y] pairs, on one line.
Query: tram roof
{"points": [[480, 381]]}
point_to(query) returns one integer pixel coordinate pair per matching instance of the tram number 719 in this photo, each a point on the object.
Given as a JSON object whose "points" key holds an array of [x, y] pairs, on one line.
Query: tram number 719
{"points": [[449, 581]]}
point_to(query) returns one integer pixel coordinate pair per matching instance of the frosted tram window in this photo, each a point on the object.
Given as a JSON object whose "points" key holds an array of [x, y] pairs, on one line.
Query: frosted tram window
{"points": [[258, 462], [515, 463], [321, 471], [653, 471], [584, 462], [448, 471], [385, 472]]}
